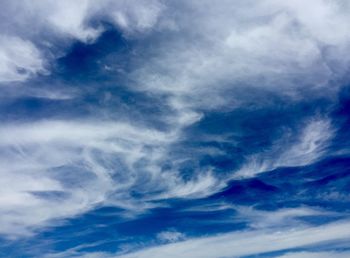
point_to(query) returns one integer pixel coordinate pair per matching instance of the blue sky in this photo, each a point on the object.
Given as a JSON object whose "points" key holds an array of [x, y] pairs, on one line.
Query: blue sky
{"points": [[157, 128]]}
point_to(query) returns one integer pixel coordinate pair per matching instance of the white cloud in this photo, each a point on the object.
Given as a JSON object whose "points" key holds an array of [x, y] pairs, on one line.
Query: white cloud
{"points": [[70, 17], [73, 19], [318, 17], [316, 255], [266, 44], [282, 218], [45, 19], [135, 16], [28, 22], [309, 147], [19, 59], [200, 186], [248, 243], [170, 236], [58, 169]]}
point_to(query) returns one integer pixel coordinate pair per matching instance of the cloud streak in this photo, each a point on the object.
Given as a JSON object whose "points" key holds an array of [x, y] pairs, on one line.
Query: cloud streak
{"points": [[249, 243]]}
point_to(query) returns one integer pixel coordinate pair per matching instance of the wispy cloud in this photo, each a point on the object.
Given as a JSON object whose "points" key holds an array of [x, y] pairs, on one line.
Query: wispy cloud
{"points": [[19, 59], [290, 151], [249, 243], [187, 60], [316, 255]]}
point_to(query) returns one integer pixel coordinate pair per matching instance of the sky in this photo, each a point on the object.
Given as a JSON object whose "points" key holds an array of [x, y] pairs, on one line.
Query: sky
{"points": [[187, 128]]}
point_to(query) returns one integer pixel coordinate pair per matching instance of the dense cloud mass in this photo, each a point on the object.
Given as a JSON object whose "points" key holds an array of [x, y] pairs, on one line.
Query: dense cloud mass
{"points": [[134, 128]]}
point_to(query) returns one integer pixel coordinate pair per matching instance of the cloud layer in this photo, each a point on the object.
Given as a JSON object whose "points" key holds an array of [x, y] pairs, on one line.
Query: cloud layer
{"points": [[144, 106]]}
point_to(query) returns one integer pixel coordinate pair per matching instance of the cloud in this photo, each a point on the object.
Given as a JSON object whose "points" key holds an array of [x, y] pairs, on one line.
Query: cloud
{"points": [[170, 236], [135, 16], [264, 44], [245, 243], [74, 20], [199, 57], [36, 32], [311, 144], [70, 18], [281, 218], [57, 169], [248, 243], [19, 59], [202, 185], [315, 255], [48, 20]]}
